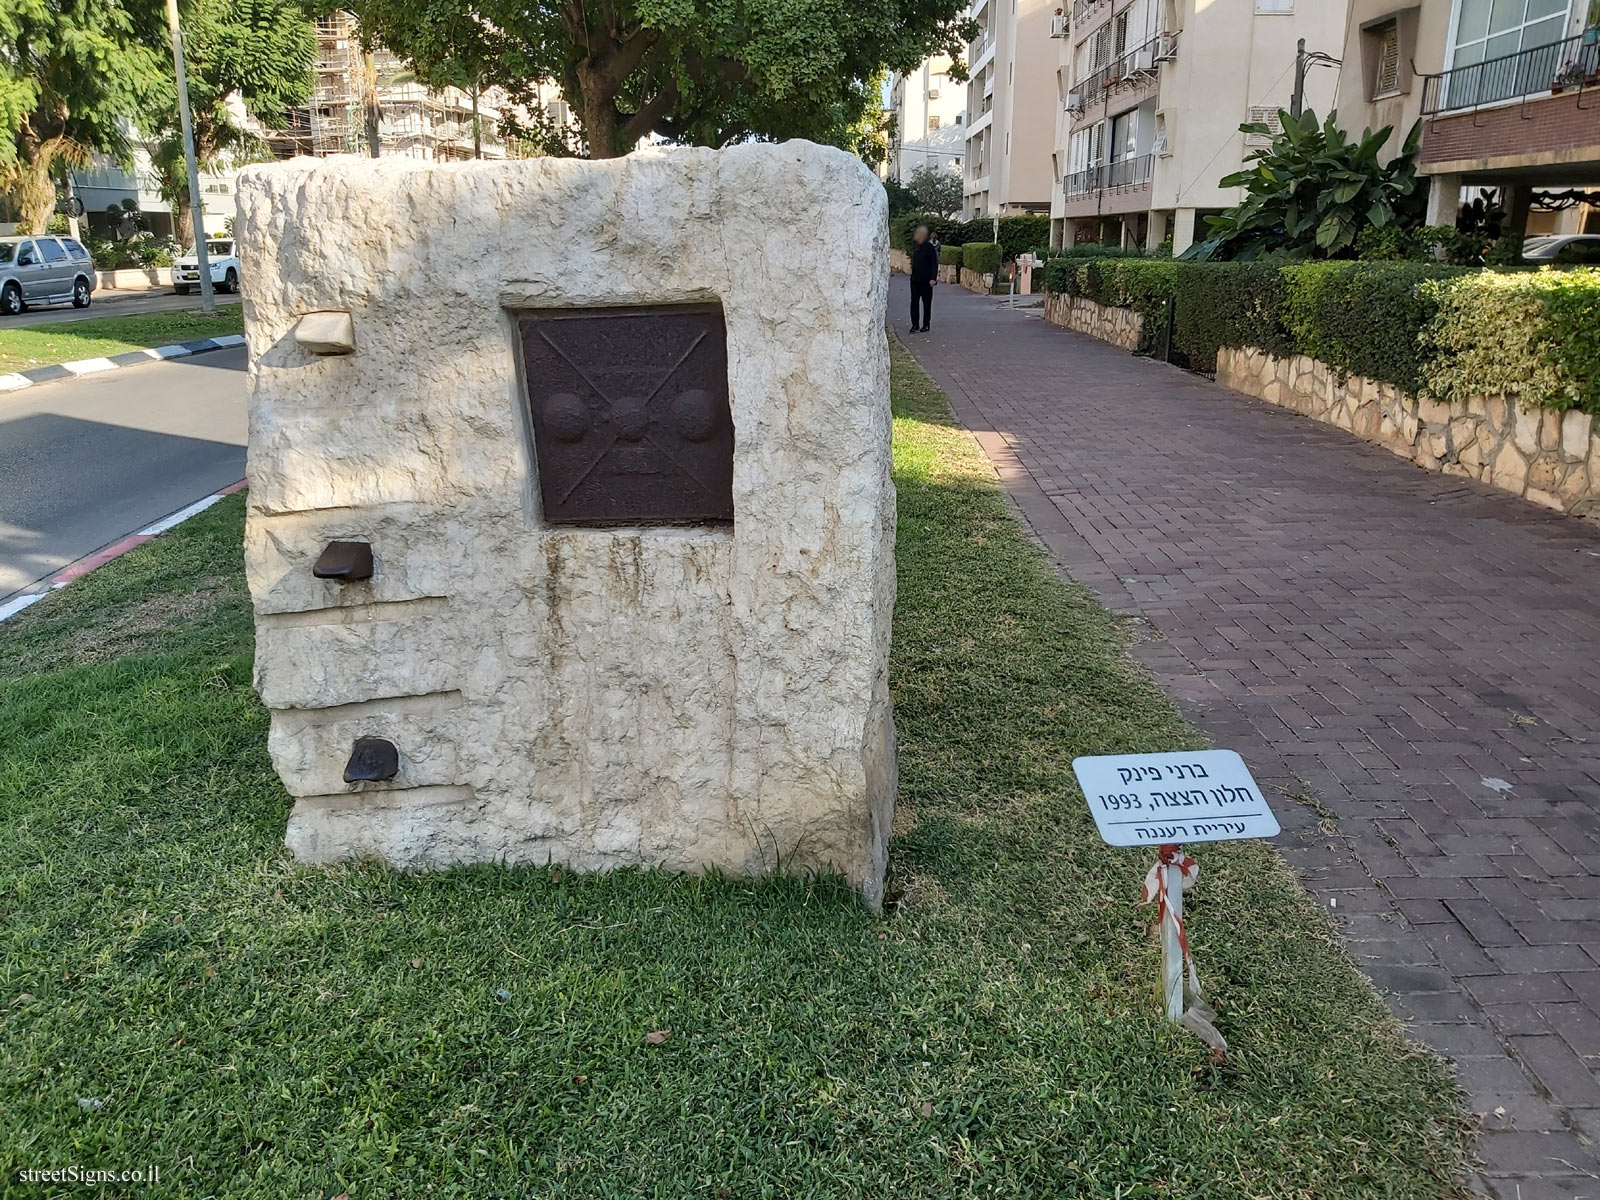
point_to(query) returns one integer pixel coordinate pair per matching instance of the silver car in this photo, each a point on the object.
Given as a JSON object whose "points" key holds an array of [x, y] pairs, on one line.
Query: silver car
{"points": [[44, 270]]}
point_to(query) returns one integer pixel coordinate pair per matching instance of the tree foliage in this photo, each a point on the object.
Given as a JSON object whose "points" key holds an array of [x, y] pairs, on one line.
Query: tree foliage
{"points": [[258, 51], [1312, 191], [706, 72], [71, 73], [936, 190]]}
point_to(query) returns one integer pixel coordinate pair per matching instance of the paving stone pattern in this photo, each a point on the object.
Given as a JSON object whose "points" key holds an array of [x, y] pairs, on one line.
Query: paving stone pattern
{"points": [[1408, 662]]}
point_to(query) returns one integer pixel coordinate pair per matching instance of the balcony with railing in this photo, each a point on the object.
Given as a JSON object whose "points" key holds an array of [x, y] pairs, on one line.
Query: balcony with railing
{"points": [[1526, 117], [1572, 64], [1130, 69], [1123, 173]]}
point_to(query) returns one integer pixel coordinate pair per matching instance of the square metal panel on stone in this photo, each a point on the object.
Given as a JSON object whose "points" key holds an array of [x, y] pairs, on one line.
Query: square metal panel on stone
{"points": [[630, 416]]}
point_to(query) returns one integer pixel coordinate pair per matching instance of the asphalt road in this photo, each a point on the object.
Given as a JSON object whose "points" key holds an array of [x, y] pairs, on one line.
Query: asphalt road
{"points": [[85, 462], [109, 304]]}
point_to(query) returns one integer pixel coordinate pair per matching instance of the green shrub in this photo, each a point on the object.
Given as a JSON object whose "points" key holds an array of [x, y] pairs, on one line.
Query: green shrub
{"points": [[1019, 235], [983, 257], [1229, 304], [949, 233], [949, 256], [1363, 318], [1534, 334]]}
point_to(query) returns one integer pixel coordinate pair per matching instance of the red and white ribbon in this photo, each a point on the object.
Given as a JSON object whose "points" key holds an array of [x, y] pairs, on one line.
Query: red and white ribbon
{"points": [[1173, 874]]}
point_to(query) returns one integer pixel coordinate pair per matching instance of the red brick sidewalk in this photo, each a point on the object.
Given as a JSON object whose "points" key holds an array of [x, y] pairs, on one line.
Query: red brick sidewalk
{"points": [[1410, 663]]}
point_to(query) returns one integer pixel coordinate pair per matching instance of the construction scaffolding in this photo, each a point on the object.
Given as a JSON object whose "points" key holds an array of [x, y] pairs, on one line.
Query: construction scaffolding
{"points": [[414, 121]]}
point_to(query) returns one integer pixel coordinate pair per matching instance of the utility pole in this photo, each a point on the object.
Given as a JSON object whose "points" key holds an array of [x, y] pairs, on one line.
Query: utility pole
{"points": [[1303, 62], [196, 202], [1298, 99]]}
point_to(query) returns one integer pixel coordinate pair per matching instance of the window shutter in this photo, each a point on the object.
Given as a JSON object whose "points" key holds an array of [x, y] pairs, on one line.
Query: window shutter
{"points": [[1388, 74]]}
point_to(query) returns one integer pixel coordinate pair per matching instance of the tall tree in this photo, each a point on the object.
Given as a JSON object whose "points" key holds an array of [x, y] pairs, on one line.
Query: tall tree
{"points": [[939, 190], [707, 72], [72, 72], [258, 53]]}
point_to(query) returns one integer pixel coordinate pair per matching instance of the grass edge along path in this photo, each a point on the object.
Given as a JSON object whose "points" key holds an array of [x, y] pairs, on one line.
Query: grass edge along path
{"points": [[176, 992], [26, 346]]}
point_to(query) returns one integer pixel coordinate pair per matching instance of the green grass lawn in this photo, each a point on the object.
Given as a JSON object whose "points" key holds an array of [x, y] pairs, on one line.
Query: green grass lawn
{"points": [[40, 345], [174, 991]]}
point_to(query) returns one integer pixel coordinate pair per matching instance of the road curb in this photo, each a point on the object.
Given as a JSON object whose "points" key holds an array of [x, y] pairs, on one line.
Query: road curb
{"points": [[89, 562], [90, 366]]}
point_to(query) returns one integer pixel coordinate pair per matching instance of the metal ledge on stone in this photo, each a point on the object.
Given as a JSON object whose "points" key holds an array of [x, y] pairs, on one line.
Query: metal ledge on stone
{"points": [[326, 333], [372, 760], [344, 561]]}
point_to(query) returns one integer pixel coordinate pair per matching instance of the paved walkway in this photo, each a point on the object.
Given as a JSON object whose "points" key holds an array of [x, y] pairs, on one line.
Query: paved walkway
{"points": [[1410, 663]]}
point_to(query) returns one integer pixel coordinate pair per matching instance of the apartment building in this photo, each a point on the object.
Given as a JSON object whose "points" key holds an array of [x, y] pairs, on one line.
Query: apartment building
{"points": [[1149, 98], [1009, 118], [1508, 93], [929, 111]]}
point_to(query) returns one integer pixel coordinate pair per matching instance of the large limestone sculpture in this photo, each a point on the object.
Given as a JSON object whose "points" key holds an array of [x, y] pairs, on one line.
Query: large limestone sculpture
{"points": [[463, 667]]}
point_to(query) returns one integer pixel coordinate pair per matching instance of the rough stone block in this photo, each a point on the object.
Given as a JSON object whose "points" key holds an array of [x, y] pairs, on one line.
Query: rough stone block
{"points": [[694, 696], [1575, 428]]}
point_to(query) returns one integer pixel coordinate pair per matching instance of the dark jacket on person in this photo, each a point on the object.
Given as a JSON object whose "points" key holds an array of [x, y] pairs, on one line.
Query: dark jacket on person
{"points": [[924, 262]]}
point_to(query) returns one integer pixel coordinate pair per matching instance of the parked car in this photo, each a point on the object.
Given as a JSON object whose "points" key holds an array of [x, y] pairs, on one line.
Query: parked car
{"points": [[1563, 248], [220, 258], [35, 271]]}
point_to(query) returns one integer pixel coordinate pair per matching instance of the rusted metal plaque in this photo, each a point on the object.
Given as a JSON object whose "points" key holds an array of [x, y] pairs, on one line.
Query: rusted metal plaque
{"points": [[630, 415]]}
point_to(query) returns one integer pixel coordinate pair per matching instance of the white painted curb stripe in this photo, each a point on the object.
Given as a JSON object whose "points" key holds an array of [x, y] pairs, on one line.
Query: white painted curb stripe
{"points": [[177, 518], [15, 605], [169, 351], [89, 562], [88, 366], [229, 339], [13, 383]]}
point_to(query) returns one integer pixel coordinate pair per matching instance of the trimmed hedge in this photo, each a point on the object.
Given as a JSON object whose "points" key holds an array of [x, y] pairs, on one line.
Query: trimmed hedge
{"points": [[1019, 235], [1532, 333], [949, 256], [982, 257], [1452, 332], [1364, 318], [949, 233], [1122, 281], [1229, 304]]}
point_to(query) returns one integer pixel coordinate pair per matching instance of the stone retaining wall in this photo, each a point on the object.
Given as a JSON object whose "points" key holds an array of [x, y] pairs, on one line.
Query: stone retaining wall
{"points": [[1120, 326], [975, 281], [900, 261], [1551, 458]]}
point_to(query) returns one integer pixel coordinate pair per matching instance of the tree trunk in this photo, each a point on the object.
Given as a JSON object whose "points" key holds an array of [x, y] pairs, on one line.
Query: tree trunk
{"points": [[37, 193], [183, 220], [599, 113], [369, 101]]}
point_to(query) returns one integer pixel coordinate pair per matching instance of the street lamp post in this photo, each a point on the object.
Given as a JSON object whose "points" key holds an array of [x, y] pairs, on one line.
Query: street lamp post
{"points": [[196, 203]]}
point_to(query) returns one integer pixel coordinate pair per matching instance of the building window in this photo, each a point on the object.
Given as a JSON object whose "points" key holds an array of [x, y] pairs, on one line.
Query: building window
{"points": [[1274, 6], [1386, 65], [933, 120], [1488, 29], [958, 118]]}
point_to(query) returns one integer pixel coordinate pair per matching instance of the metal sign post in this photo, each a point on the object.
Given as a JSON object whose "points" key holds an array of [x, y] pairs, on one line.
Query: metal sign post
{"points": [[1162, 801]]}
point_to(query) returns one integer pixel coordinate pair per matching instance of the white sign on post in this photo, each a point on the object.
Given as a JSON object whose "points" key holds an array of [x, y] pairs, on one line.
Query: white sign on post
{"points": [[1166, 799], [1163, 800]]}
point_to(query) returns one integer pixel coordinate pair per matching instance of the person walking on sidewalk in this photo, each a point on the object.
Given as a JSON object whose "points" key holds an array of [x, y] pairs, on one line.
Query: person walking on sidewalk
{"points": [[924, 274]]}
